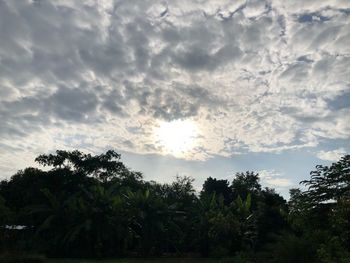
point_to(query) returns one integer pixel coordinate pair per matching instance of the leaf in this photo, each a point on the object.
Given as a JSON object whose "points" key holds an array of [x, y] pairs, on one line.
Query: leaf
{"points": [[248, 202]]}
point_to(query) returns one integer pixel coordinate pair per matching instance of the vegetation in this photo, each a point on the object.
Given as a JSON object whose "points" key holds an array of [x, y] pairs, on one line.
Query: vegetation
{"points": [[88, 206], [139, 260]]}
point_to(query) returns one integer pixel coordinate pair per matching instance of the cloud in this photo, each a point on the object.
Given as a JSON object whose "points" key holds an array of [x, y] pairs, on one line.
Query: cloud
{"points": [[273, 179], [255, 76], [332, 156]]}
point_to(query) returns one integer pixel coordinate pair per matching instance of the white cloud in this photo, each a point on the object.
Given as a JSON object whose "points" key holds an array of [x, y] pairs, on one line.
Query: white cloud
{"points": [[272, 178], [332, 156]]}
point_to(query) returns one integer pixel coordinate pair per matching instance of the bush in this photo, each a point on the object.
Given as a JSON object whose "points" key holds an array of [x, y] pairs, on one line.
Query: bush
{"points": [[12, 258], [289, 248], [333, 251]]}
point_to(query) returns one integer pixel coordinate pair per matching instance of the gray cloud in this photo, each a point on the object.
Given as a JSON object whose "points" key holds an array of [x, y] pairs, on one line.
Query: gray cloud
{"points": [[341, 101]]}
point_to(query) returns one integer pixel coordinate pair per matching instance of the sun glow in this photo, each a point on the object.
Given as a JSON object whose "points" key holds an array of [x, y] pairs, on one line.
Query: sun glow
{"points": [[176, 137]]}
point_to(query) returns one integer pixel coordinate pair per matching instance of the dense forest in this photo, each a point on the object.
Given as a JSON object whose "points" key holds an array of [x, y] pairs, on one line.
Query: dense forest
{"points": [[81, 205]]}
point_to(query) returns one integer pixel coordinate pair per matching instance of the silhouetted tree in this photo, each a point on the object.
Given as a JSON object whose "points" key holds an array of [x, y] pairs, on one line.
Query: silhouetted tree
{"points": [[219, 187], [245, 183], [103, 167], [94, 206], [329, 183]]}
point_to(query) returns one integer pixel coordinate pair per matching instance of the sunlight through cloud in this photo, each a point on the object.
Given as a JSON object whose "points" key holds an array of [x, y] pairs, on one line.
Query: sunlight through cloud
{"points": [[176, 137]]}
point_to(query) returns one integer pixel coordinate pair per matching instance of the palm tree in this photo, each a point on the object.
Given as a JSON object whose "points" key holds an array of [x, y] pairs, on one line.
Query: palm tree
{"points": [[54, 220], [92, 221], [151, 220], [101, 221], [242, 209]]}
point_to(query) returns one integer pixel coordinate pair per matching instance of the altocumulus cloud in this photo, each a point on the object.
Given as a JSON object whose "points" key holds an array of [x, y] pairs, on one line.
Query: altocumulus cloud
{"points": [[256, 76]]}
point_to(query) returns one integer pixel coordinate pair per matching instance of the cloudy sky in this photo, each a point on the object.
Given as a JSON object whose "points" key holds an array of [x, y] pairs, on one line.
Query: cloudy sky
{"points": [[189, 87]]}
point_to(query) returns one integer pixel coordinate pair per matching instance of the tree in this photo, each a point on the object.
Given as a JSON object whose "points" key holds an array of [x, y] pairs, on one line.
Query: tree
{"points": [[219, 187], [103, 167], [211, 225], [52, 221], [329, 183], [271, 215], [245, 183], [93, 222], [94, 206], [224, 229], [248, 228], [180, 197], [100, 222], [150, 219], [321, 213]]}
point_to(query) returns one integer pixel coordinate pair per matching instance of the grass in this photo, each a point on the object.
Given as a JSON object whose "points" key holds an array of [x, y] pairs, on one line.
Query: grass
{"points": [[154, 260]]}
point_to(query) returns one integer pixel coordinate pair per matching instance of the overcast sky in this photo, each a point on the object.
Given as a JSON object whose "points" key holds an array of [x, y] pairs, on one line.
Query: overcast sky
{"points": [[266, 84]]}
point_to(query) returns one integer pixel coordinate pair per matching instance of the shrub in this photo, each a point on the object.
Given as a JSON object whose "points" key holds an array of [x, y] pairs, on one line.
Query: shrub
{"points": [[333, 251], [289, 248]]}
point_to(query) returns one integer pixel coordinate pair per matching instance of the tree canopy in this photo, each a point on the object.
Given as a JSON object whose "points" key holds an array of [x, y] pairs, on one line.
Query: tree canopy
{"points": [[94, 206]]}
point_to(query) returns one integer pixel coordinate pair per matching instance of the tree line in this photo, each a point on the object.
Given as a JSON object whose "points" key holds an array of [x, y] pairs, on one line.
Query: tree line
{"points": [[87, 205]]}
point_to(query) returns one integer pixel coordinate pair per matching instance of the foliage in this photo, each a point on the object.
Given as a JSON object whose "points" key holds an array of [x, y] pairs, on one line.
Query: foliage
{"points": [[245, 183], [329, 183], [103, 167], [94, 206], [289, 248], [219, 187]]}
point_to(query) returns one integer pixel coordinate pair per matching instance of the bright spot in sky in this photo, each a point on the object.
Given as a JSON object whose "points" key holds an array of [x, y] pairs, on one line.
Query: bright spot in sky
{"points": [[177, 137]]}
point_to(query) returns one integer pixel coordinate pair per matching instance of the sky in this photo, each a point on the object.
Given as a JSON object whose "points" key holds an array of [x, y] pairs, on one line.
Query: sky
{"points": [[180, 87]]}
